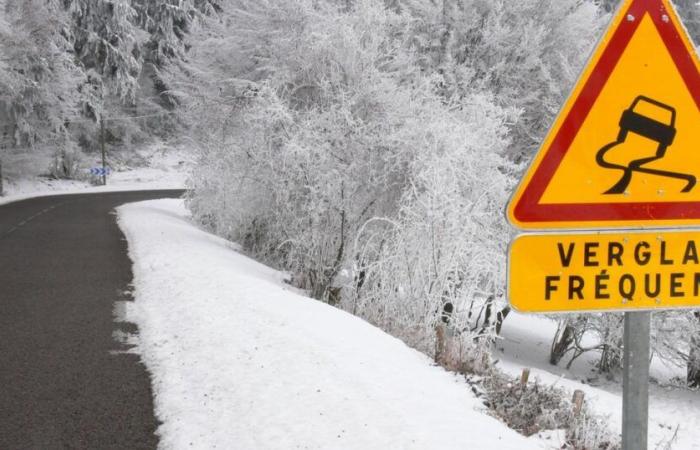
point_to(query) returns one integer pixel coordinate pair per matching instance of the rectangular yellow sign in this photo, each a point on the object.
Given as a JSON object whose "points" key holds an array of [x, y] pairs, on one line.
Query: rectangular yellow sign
{"points": [[620, 271]]}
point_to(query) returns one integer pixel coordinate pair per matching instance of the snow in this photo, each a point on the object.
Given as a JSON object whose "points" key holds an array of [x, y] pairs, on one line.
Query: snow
{"points": [[151, 168], [240, 360], [526, 343]]}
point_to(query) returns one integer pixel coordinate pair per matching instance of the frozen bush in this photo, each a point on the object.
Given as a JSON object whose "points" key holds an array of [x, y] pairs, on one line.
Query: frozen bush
{"points": [[350, 170], [533, 407], [447, 243], [67, 162], [313, 152]]}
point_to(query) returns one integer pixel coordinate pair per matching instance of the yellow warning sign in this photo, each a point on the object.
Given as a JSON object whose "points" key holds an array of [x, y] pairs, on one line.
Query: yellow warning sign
{"points": [[604, 272], [625, 150]]}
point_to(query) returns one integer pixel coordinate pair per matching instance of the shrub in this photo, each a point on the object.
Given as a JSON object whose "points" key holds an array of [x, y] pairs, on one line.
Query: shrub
{"points": [[534, 407]]}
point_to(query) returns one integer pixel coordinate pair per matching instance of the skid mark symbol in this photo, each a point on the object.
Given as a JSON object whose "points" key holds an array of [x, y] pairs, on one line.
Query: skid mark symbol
{"points": [[662, 133]]}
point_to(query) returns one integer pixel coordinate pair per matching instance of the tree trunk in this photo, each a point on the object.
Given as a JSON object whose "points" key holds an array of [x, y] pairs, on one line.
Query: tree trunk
{"points": [[693, 368], [487, 317], [561, 344], [693, 372], [500, 317]]}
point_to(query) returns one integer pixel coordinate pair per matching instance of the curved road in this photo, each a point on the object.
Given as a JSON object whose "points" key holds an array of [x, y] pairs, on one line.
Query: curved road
{"points": [[64, 380]]}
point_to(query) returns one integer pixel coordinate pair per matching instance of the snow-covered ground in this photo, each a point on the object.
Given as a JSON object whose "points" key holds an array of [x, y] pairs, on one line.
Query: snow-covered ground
{"points": [[240, 360], [526, 343], [154, 167]]}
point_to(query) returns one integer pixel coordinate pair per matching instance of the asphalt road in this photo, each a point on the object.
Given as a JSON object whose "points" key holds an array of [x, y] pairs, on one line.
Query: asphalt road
{"points": [[65, 382]]}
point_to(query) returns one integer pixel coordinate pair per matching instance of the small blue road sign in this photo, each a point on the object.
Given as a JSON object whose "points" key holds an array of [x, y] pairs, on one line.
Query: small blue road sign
{"points": [[100, 171]]}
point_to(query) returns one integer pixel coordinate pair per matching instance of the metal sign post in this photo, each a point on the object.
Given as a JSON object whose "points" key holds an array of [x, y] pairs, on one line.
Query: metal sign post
{"points": [[635, 389], [104, 154]]}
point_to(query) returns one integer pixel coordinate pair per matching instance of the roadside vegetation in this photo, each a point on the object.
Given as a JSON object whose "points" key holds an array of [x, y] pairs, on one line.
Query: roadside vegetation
{"points": [[369, 149]]}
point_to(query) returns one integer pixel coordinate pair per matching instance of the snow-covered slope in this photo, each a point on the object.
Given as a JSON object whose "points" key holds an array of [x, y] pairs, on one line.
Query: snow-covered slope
{"points": [[241, 361]]}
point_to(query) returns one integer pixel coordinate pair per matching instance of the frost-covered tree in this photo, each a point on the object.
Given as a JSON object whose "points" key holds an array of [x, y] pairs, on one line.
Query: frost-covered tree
{"points": [[105, 41], [10, 81], [328, 152], [39, 78], [527, 53], [447, 243], [167, 24]]}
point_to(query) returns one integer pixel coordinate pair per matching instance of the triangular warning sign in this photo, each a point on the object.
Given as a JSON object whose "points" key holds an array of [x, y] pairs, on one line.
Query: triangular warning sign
{"points": [[625, 150]]}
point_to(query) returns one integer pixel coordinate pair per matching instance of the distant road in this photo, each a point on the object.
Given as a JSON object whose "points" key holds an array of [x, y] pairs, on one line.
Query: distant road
{"points": [[64, 381]]}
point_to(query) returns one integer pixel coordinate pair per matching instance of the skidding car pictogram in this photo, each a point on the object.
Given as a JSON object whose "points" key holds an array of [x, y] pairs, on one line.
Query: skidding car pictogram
{"points": [[661, 133]]}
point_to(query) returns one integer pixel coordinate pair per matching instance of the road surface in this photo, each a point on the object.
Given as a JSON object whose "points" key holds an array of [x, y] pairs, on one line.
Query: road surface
{"points": [[65, 382]]}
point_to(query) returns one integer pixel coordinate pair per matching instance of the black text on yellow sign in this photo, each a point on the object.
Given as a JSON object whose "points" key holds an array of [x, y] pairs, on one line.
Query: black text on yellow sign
{"points": [[605, 272]]}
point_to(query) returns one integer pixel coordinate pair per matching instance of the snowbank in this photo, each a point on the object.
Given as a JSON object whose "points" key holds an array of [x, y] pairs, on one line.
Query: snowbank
{"points": [[241, 361]]}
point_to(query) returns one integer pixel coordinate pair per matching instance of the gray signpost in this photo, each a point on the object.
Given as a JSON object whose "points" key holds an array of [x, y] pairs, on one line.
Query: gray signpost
{"points": [[635, 395], [104, 152]]}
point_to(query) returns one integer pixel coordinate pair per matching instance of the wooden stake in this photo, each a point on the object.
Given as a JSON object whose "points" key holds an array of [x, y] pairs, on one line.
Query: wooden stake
{"points": [[439, 343], [578, 401], [524, 378]]}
